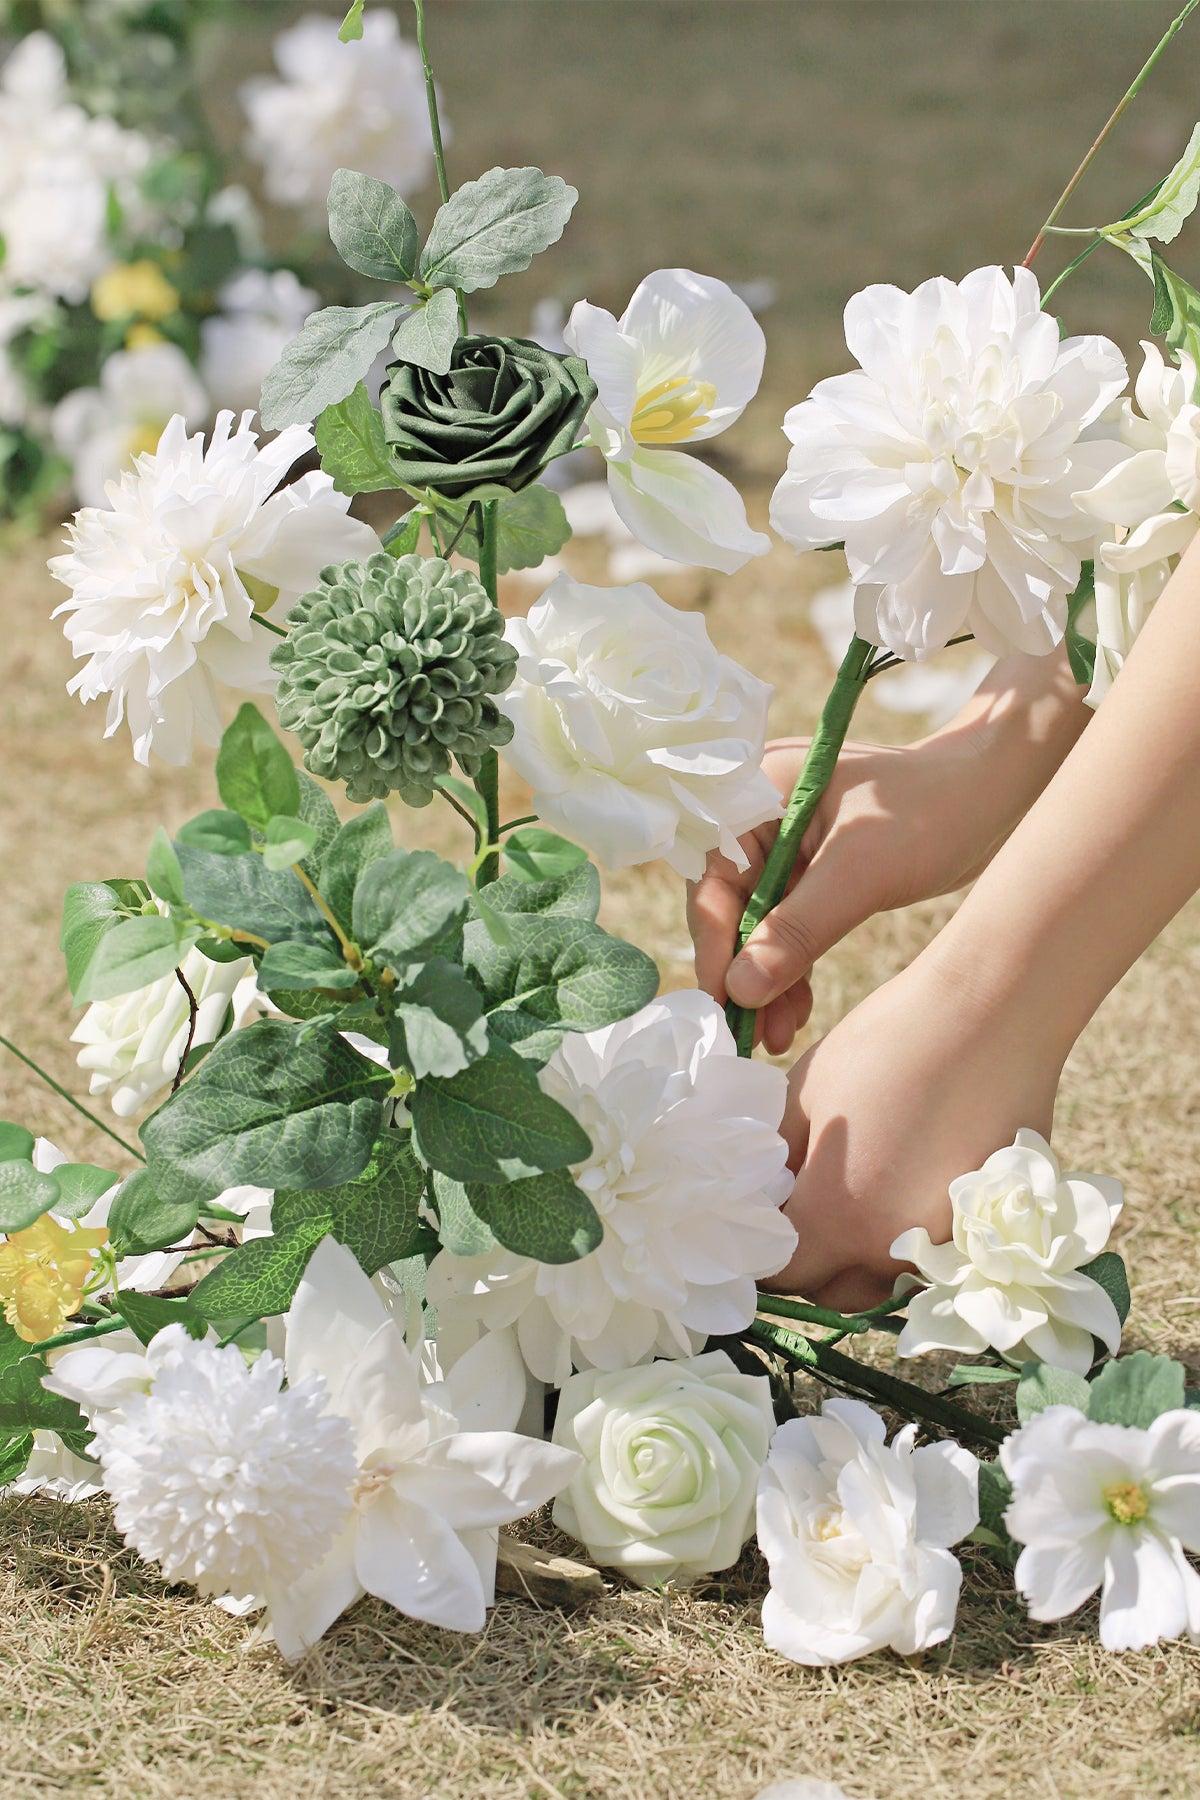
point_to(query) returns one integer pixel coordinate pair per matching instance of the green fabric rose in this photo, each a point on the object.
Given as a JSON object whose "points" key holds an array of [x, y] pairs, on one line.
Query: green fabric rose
{"points": [[506, 408]]}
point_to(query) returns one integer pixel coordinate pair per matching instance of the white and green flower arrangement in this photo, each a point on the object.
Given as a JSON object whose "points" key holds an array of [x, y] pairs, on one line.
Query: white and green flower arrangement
{"points": [[480, 1218]]}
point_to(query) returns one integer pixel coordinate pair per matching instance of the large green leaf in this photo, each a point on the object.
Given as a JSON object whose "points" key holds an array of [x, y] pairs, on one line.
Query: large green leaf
{"points": [[559, 973], [1041, 1386], [287, 967], [535, 854], [25, 1405], [574, 892], [255, 775], [352, 447], [1135, 1389], [141, 1220], [404, 902], [530, 526], [241, 893], [148, 1314], [25, 1194], [439, 1027], [133, 954], [12, 1347], [16, 1143], [260, 1278], [460, 1228], [1108, 1271], [546, 1217], [217, 831], [371, 228], [495, 226], [276, 1105], [1173, 202], [319, 813], [493, 1123], [358, 843], [331, 355], [426, 336]]}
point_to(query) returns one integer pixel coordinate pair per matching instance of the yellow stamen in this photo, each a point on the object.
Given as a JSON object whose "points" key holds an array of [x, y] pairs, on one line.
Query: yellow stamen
{"points": [[136, 290], [143, 439], [1126, 1501], [672, 411], [44, 1271]]}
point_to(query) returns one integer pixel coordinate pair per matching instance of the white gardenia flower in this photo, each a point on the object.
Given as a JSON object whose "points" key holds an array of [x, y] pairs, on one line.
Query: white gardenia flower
{"points": [[333, 106], [947, 463], [165, 580], [102, 430], [671, 1457], [221, 1475], [1149, 504], [1010, 1277], [687, 1172], [857, 1535], [680, 365], [1110, 1507], [261, 312], [638, 738], [438, 1466]]}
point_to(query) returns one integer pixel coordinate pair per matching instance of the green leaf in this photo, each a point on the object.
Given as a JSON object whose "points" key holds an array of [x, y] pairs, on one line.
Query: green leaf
{"points": [[255, 776], [493, 1123], [402, 538], [15, 1451], [460, 1228], [25, 1194], [1041, 1386], [12, 1347], [546, 1217], [148, 1314], [575, 893], [351, 26], [1176, 313], [559, 972], [320, 815], [162, 869], [1108, 1271], [1164, 216], [495, 226], [217, 832], [287, 966], [371, 227], [133, 954], [25, 1405], [241, 893], [377, 1215], [981, 1375], [260, 1278], [79, 1186], [1081, 650], [403, 903], [91, 909], [358, 843], [141, 1220], [333, 352], [536, 854], [1135, 1389], [16, 1144], [352, 447], [289, 841], [427, 334], [438, 1027], [530, 526], [275, 1105], [995, 1496]]}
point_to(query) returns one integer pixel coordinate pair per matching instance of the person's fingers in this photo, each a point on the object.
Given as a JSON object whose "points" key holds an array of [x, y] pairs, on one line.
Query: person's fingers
{"points": [[783, 1018], [815, 915]]}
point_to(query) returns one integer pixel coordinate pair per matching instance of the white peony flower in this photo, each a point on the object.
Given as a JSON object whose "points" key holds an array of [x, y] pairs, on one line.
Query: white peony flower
{"points": [[58, 169], [936, 694], [132, 1046], [947, 463], [1110, 1507], [1152, 499], [638, 738], [671, 1457], [857, 1535], [439, 1467], [683, 362], [102, 430], [339, 106], [221, 1475], [687, 1172], [1009, 1279], [260, 314], [164, 583]]}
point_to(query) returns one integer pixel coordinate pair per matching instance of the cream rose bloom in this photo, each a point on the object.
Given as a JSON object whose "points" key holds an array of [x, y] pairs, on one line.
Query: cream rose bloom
{"points": [[671, 1456]]}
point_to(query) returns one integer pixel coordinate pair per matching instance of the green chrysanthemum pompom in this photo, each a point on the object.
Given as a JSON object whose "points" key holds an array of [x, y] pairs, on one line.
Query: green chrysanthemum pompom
{"points": [[390, 669]]}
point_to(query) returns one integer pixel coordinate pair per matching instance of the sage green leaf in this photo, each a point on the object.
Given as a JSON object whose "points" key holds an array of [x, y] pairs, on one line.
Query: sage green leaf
{"points": [[218, 832], [90, 910], [275, 1105], [995, 1496], [530, 526], [575, 893], [404, 902], [288, 841], [16, 1144], [134, 953], [1041, 1386], [438, 1023], [351, 26], [495, 226], [148, 1314], [25, 1405], [427, 334], [334, 350], [560, 971], [460, 1228], [242, 894], [1173, 203], [981, 1375], [371, 228], [377, 1215], [25, 1194], [15, 1451], [287, 966], [358, 843], [536, 854], [493, 1123], [255, 775], [1108, 1271], [163, 873], [259, 1279], [1135, 1389], [351, 446], [1081, 650], [319, 813], [79, 1186], [1176, 312], [141, 1220], [546, 1217]]}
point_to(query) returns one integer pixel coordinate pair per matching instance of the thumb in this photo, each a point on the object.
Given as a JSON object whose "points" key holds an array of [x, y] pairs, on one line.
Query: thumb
{"points": [[817, 913]]}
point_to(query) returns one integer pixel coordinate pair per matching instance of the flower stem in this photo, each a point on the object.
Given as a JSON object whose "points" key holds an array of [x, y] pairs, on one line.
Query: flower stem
{"points": [[488, 779], [70, 1098], [259, 620], [1130, 94], [852, 1324], [350, 951], [435, 129], [813, 779], [101, 1328]]}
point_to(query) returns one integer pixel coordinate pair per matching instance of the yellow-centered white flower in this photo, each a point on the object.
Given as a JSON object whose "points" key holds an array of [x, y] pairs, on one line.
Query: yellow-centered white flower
{"points": [[103, 430]]}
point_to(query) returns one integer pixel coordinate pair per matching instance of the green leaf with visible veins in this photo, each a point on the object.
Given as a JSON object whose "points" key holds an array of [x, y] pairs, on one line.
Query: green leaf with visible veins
{"points": [[25, 1405], [426, 336], [288, 840], [377, 1215], [25, 1194], [371, 228], [535, 854], [574, 892], [255, 774], [495, 226], [217, 832], [1108, 1271], [352, 447], [358, 843], [557, 974], [90, 910], [333, 351], [493, 1123], [79, 1186], [141, 1221], [1041, 1386], [148, 1314], [260, 1278], [546, 1217], [15, 1452], [288, 967], [530, 526], [320, 815], [1135, 1389], [242, 894], [439, 1027], [135, 953], [403, 902]]}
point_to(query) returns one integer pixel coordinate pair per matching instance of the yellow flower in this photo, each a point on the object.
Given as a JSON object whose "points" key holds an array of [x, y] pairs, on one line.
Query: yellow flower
{"points": [[43, 1273], [134, 290], [140, 335]]}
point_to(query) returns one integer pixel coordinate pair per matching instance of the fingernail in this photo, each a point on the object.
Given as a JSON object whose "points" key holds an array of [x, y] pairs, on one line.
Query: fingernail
{"points": [[746, 981]]}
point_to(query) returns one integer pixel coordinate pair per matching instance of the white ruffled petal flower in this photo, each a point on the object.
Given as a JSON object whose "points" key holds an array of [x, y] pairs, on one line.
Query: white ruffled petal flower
{"points": [[55, 1472], [1112, 1507], [857, 1535], [1010, 1277], [638, 738], [165, 580], [687, 1172], [671, 1457], [681, 364], [947, 462]]}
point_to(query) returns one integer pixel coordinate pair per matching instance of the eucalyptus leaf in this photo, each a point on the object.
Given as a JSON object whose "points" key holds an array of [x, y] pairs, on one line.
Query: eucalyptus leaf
{"points": [[1135, 1389], [575, 892], [560, 971], [427, 334], [79, 1187], [287, 966], [242, 894], [438, 1022], [288, 841], [371, 228], [333, 352], [493, 1123], [163, 873], [16, 1144], [140, 1220], [403, 903], [218, 832], [255, 775], [546, 1217], [535, 854], [495, 226], [351, 445], [133, 954]]}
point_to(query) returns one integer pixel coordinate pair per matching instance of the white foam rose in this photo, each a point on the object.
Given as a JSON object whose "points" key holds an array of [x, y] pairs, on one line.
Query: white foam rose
{"points": [[671, 1455], [857, 1535], [638, 738], [1010, 1277]]}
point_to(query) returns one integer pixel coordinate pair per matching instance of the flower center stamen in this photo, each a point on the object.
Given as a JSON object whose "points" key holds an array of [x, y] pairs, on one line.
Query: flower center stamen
{"points": [[1127, 1501], [672, 411]]}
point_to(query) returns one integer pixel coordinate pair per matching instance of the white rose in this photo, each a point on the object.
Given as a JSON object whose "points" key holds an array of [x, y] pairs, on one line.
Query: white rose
{"points": [[856, 1533], [672, 1453], [1009, 1279], [638, 738]]}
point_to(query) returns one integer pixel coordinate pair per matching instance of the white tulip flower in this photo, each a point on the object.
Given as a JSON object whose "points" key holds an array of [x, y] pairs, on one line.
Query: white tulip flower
{"points": [[1112, 1507], [101, 431], [947, 463], [671, 1456], [638, 738], [682, 362], [857, 1535]]}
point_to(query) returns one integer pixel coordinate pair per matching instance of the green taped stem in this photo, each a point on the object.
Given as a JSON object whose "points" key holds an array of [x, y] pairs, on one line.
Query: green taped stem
{"points": [[487, 782]]}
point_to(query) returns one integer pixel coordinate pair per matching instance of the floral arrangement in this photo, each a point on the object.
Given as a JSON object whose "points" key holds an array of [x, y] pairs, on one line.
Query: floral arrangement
{"points": [[480, 1219]]}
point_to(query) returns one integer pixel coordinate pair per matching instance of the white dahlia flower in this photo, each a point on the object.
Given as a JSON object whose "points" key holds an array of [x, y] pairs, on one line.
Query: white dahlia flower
{"points": [[638, 738], [1112, 1507], [681, 364], [947, 463], [339, 106], [165, 581], [935, 693], [261, 312], [1010, 1278], [857, 1535], [687, 1172], [102, 430]]}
